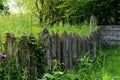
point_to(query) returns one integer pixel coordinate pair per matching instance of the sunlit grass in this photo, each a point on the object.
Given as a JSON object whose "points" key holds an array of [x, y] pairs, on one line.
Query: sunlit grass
{"points": [[109, 70], [82, 29], [112, 62], [27, 23], [15, 23]]}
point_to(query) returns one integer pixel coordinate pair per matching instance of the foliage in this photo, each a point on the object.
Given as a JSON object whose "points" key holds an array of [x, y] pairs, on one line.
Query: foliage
{"points": [[55, 74], [38, 52], [104, 67], [50, 12], [3, 7], [76, 11], [86, 68]]}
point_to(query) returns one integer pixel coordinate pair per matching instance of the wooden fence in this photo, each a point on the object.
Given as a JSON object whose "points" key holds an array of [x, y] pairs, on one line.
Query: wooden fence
{"points": [[65, 48], [110, 35]]}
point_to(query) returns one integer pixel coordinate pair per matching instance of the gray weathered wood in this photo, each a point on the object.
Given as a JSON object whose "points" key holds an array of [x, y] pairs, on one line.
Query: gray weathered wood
{"points": [[111, 27], [110, 35], [58, 47], [70, 50]]}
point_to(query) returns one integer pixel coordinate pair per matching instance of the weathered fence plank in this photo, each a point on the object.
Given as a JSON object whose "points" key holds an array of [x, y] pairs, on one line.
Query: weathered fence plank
{"points": [[58, 47], [23, 52], [110, 35], [111, 27]]}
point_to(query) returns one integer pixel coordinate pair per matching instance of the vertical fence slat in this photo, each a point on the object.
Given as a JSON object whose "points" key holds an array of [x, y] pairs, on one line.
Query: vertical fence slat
{"points": [[65, 45], [73, 48], [8, 44], [70, 50], [48, 51], [33, 59], [58, 47]]}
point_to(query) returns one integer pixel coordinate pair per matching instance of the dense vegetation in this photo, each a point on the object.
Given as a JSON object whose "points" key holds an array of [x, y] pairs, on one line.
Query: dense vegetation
{"points": [[76, 11], [74, 16], [3, 7]]}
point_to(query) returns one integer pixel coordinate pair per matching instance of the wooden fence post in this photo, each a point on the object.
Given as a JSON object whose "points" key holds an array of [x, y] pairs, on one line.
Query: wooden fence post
{"points": [[8, 43], [69, 45], [74, 48], [53, 48], [65, 44], [33, 61], [45, 39], [23, 53], [58, 47]]}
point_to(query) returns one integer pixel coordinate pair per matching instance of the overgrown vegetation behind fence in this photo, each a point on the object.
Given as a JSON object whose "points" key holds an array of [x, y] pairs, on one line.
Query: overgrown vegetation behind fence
{"points": [[31, 54]]}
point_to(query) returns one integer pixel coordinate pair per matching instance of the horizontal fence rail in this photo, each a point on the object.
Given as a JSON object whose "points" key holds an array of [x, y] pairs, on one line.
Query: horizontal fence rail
{"points": [[110, 34]]}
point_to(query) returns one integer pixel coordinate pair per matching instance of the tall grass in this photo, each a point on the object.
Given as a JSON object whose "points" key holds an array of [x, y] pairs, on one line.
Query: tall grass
{"points": [[107, 67], [81, 29], [26, 23], [16, 23]]}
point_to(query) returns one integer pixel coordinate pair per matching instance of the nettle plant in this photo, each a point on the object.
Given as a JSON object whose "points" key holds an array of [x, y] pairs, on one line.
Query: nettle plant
{"points": [[38, 52], [55, 74]]}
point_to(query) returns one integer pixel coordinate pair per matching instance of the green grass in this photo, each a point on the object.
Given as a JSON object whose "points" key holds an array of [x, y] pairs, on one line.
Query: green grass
{"points": [[17, 24], [27, 23], [112, 64], [82, 29], [109, 70], [105, 67]]}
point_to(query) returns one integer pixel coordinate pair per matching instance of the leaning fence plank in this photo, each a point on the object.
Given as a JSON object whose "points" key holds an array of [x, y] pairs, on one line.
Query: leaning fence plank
{"points": [[58, 47], [8, 44], [65, 45], [69, 45], [53, 44], [33, 59], [88, 44], [23, 52], [74, 46], [48, 52]]}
